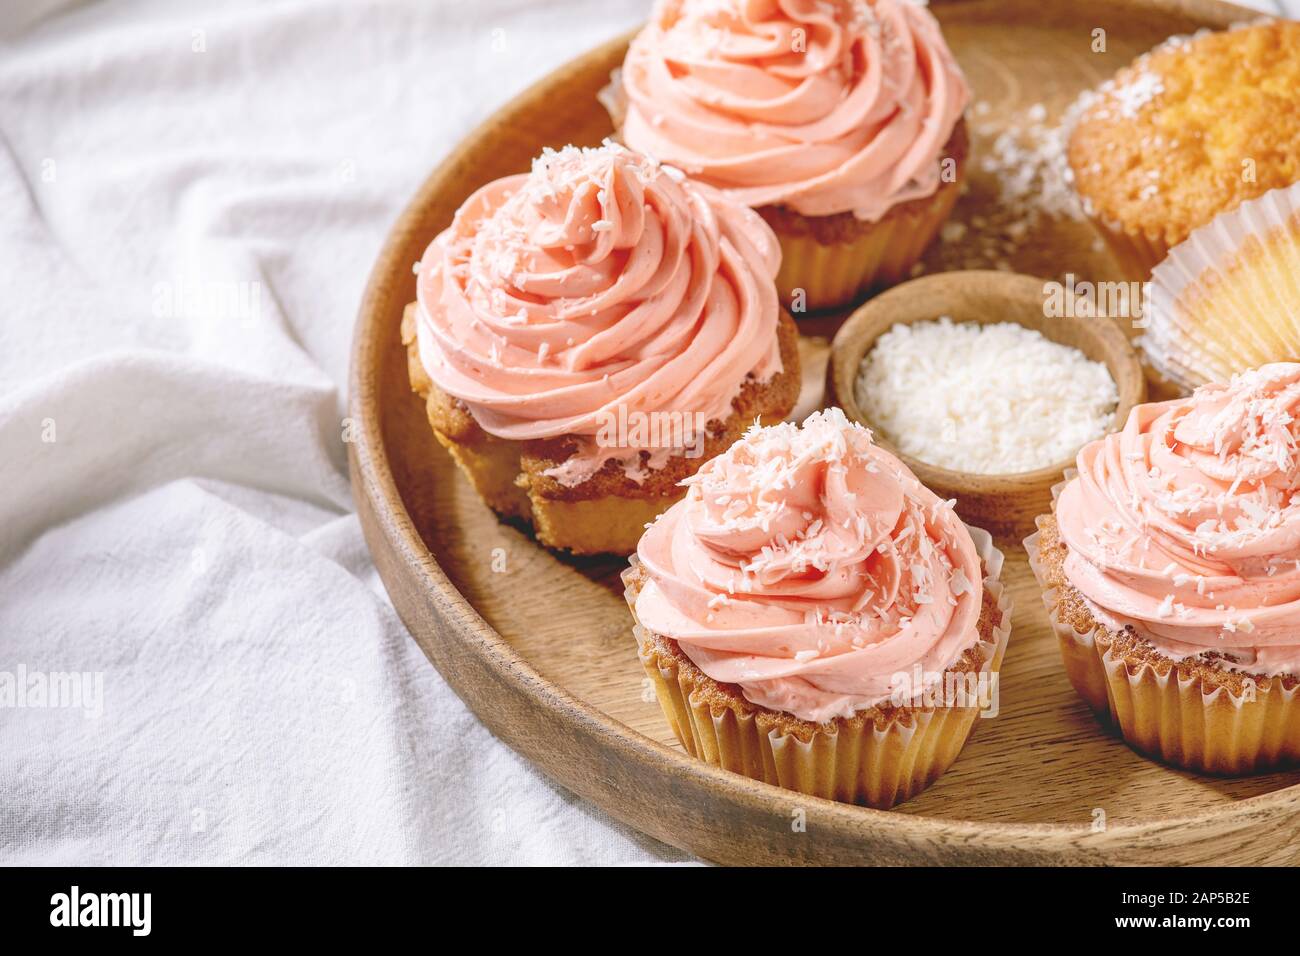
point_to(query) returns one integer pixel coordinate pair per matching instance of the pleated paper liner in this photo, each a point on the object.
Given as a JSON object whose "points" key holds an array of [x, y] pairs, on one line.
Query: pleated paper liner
{"points": [[835, 274], [1228, 299], [854, 763], [1137, 253], [1171, 718]]}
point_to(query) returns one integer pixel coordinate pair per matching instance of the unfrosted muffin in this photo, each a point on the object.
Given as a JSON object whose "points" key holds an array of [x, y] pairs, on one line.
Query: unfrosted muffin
{"points": [[587, 334], [1186, 132], [840, 122], [1170, 567], [793, 611]]}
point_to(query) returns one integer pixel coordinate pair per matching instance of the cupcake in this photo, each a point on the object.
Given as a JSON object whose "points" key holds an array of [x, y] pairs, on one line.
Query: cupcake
{"points": [[811, 616], [839, 121], [588, 334], [1228, 298], [1170, 567], [1186, 132]]}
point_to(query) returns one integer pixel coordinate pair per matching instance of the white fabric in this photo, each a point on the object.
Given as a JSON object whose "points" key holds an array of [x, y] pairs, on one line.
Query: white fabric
{"points": [[188, 534], [191, 196]]}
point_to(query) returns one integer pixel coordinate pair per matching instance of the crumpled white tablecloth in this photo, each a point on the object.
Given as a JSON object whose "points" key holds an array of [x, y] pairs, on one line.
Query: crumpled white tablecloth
{"points": [[191, 197]]}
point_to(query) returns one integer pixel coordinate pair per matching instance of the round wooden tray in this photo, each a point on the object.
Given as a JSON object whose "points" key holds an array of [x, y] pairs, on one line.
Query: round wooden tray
{"points": [[540, 646]]}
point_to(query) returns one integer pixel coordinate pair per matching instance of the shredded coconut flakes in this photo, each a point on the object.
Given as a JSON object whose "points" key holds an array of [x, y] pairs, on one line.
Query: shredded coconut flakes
{"points": [[994, 399]]}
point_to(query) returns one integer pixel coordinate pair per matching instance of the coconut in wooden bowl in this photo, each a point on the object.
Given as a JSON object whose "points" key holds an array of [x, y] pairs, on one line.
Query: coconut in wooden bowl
{"points": [[983, 391]]}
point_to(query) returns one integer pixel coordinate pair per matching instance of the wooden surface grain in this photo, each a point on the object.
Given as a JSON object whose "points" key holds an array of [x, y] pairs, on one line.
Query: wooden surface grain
{"points": [[539, 645]]}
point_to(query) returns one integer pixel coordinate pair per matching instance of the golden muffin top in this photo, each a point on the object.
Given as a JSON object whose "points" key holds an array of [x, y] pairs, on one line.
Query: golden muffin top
{"points": [[1191, 129]]}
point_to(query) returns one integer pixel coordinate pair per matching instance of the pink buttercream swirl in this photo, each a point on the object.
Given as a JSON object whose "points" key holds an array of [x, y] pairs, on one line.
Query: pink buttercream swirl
{"points": [[809, 566], [824, 106], [601, 284], [1186, 525]]}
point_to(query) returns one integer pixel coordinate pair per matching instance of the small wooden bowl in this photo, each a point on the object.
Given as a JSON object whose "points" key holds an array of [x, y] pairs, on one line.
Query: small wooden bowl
{"points": [[1004, 505]]}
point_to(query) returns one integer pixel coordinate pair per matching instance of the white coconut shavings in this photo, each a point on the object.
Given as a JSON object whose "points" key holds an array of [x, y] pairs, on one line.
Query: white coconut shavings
{"points": [[1030, 160], [1024, 155], [994, 399], [1137, 93], [1254, 433]]}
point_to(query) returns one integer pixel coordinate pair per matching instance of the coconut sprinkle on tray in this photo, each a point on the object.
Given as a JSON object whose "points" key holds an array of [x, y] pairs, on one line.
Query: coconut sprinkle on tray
{"points": [[985, 399]]}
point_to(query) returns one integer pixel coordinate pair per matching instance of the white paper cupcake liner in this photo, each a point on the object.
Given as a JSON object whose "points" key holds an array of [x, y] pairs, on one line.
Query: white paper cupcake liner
{"points": [[1219, 303], [878, 767]]}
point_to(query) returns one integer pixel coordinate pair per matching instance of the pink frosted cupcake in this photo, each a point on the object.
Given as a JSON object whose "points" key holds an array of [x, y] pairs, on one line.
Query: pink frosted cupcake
{"points": [[587, 334], [840, 121], [812, 616], [1171, 570]]}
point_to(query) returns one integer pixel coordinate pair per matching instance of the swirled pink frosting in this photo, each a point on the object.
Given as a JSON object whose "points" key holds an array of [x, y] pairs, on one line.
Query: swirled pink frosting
{"points": [[824, 106], [1186, 525], [600, 283], [808, 566]]}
